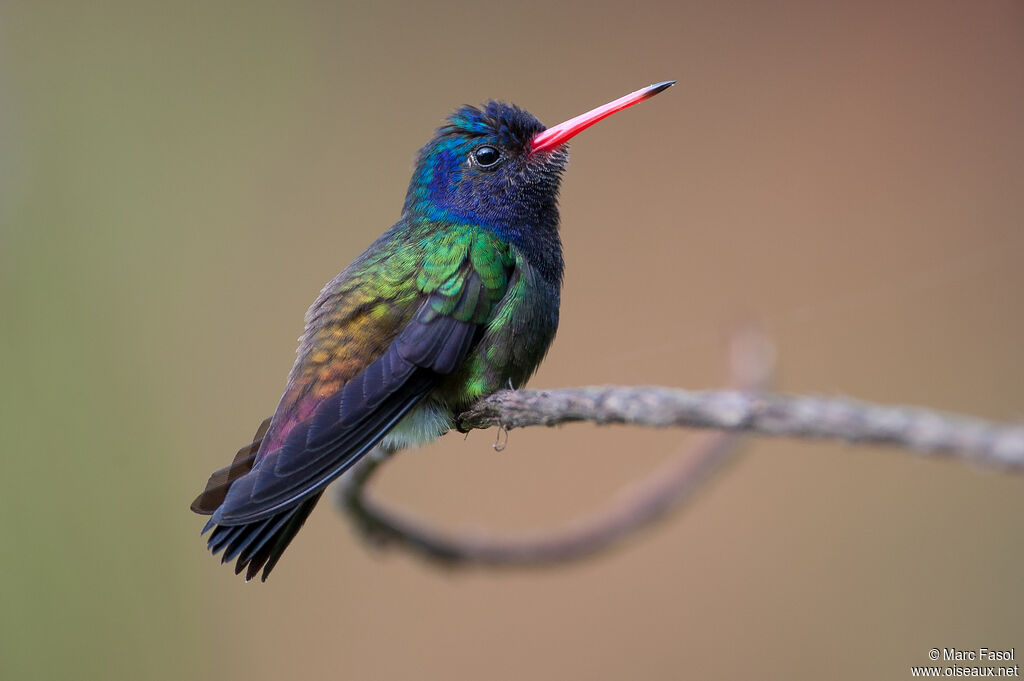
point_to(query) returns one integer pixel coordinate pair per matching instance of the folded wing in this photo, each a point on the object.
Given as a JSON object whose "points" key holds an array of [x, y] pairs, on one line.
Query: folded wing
{"points": [[335, 410]]}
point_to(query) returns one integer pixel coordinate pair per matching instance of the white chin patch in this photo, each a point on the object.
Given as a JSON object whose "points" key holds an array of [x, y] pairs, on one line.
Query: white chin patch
{"points": [[423, 424]]}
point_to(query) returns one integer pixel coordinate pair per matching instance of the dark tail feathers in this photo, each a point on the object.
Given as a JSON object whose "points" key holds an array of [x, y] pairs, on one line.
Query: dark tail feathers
{"points": [[259, 545]]}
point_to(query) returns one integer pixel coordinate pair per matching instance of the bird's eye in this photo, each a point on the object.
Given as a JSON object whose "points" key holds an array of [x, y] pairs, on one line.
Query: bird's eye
{"points": [[486, 156]]}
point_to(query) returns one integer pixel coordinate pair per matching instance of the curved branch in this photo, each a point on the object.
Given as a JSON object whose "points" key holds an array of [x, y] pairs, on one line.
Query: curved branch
{"points": [[645, 503], [729, 412], [675, 483]]}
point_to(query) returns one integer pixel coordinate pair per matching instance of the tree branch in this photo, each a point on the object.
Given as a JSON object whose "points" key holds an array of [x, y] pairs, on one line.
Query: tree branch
{"points": [[728, 412], [925, 431], [752, 365]]}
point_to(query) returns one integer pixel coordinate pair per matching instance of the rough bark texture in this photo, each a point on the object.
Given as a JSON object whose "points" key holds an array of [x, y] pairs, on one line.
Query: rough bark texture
{"points": [[729, 414]]}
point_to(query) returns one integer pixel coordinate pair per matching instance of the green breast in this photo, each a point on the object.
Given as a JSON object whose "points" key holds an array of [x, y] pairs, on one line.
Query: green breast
{"points": [[517, 334]]}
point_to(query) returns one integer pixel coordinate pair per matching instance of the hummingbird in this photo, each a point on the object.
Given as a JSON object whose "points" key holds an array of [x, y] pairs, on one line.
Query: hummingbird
{"points": [[457, 300]]}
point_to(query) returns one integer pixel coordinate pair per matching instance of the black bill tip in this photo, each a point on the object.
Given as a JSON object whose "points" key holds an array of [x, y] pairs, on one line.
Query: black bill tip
{"points": [[659, 87]]}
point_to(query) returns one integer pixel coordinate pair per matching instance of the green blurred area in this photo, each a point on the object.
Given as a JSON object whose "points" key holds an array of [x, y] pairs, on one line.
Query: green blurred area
{"points": [[177, 181]]}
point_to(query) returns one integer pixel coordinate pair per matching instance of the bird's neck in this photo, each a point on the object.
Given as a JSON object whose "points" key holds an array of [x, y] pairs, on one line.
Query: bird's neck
{"points": [[533, 232]]}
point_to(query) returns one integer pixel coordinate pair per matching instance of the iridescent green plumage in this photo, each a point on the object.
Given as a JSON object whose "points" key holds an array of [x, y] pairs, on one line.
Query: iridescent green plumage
{"points": [[458, 270], [457, 300]]}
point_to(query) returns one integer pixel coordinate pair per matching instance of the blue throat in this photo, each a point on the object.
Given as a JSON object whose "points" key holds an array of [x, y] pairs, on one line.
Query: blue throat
{"points": [[517, 200]]}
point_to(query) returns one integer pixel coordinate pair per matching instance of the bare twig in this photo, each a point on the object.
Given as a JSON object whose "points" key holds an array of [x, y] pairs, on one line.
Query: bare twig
{"points": [[729, 412], [672, 485], [925, 431]]}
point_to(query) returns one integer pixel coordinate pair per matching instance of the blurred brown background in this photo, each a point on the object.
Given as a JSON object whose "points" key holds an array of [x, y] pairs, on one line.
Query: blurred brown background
{"points": [[178, 180]]}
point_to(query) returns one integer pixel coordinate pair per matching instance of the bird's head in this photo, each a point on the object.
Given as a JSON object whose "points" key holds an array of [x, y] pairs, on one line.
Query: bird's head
{"points": [[479, 169], [498, 166]]}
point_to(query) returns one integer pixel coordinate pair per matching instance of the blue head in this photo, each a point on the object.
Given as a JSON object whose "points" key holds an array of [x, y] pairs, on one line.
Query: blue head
{"points": [[500, 168], [480, 169]]}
